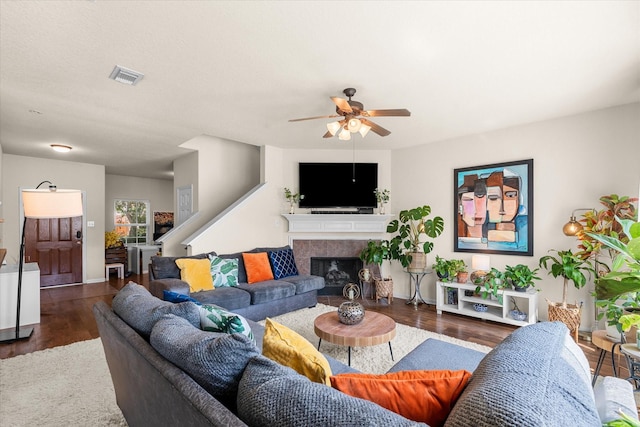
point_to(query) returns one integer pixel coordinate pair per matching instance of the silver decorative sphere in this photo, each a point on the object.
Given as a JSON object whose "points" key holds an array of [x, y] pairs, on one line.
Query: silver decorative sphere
{"points": [[350, 312]]}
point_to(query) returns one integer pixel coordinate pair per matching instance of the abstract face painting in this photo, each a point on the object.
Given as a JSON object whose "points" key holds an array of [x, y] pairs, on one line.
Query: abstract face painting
{"points": [[494, 207]]}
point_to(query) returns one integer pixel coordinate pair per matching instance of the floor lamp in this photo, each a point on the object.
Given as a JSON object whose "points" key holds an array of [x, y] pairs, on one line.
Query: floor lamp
{"points": [[38, 204]]}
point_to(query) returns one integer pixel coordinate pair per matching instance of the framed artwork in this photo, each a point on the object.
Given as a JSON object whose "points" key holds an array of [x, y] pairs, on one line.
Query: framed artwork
{"points": [[493, 207]]}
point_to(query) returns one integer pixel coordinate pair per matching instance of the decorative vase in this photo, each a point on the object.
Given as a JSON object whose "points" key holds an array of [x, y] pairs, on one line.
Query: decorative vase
{"points": [[452, 296], [480, 307], [292, 208], [381, 210], [350, 312], [518, 315]]}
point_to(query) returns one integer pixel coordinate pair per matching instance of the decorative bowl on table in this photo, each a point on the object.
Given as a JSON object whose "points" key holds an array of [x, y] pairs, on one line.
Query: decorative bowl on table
{"points": [[480, 307], [518, 315], [350, 313]]}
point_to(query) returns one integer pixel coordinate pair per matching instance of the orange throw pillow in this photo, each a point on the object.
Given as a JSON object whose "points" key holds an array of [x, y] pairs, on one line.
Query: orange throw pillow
{"points": [[257, 266], [423, 396]]}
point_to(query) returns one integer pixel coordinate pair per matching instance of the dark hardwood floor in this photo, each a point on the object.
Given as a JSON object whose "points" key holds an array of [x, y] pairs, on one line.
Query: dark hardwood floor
{"points": [[67, 317]]}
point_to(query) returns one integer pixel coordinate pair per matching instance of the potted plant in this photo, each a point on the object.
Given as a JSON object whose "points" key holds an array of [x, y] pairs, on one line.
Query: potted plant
{"points": [[382, 197], [572, 268], [442, 267], [460, 268], [412, 225], [520, 276], [606, 223], [619, 290], [376, 252], [293, 198], [492, 283]]}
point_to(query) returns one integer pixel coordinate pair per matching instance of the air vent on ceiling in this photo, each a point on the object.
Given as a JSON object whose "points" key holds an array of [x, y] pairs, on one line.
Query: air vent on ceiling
{"points": [[126, 76]]}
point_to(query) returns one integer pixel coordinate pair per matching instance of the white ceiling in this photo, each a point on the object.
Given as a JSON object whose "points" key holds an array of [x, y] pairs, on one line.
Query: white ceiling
{"points": [[241, 70]]}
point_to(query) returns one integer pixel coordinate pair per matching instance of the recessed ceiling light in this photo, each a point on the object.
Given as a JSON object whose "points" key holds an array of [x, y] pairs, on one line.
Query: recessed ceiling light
{"points": [[61, 148], [126, 76]]}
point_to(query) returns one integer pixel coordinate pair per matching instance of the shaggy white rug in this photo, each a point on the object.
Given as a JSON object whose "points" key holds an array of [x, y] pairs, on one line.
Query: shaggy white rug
{"points": [[71, 385]]}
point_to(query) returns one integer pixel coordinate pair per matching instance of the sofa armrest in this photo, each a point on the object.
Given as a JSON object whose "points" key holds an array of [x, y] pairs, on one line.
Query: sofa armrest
{"points": [[614, 394], [157, 287]]}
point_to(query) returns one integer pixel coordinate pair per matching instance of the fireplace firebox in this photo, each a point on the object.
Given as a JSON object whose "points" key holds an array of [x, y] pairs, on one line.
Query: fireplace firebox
{"points": [[337, 272]]}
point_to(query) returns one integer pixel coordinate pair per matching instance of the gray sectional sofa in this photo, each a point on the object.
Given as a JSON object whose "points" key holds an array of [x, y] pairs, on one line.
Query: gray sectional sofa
{"points": [[166, 371], [255, 301]]}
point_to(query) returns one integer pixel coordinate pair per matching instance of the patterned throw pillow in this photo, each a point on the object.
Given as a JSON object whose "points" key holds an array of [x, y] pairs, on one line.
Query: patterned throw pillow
{"points": [[224, 271], [283, 264], [175, 297], [216, 319]]}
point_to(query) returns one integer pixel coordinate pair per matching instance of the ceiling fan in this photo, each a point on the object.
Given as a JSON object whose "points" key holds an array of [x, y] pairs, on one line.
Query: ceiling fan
{"points": [[354, 118]]}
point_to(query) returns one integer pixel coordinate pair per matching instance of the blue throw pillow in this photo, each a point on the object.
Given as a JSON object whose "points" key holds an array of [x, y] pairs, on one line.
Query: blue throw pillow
{"points": [[283, 264], [176, 297]]}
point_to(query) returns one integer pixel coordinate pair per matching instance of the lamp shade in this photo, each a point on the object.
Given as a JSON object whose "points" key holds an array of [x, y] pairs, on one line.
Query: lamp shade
{"points": [[481, 262], [572, 227], [52, 204]]}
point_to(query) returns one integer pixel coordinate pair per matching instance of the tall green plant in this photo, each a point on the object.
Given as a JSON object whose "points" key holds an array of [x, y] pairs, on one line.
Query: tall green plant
{"points": [[571, 267], [411, 227]]}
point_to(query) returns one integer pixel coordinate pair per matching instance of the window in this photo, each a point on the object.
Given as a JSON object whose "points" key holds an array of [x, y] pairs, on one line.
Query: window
{"points": [[132, 221]]}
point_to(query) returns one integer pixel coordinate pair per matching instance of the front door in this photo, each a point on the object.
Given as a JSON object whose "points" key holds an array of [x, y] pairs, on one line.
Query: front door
{"points": [[56, 245]]}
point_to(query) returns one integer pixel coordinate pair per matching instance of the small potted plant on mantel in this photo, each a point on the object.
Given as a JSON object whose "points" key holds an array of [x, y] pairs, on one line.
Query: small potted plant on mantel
{"points": [[293, 198], [382, 197]]}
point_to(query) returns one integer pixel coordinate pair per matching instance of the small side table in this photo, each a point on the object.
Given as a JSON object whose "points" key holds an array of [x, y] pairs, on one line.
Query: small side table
{"points": [[416, 277], [606, 344], [633, 358]]}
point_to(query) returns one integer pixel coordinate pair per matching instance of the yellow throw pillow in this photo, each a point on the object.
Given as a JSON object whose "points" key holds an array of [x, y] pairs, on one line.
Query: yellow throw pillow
{"points": [[197, 273], [288, 348]]}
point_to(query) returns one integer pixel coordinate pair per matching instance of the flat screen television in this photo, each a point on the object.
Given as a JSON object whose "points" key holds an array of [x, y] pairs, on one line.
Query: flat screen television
{"points": [[338, 185]]}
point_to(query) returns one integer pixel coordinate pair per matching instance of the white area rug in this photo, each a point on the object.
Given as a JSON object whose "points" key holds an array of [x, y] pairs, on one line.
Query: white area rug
{"points": [[61, 386], [374, 359], [71, 385]]}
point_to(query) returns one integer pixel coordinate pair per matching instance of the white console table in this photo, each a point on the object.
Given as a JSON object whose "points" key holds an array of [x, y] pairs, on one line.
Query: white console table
{"points": [[30, 301], [527, 302], [338, 223]]}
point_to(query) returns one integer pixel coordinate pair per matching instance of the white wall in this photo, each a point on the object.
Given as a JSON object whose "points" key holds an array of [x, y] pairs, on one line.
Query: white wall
{"points": [[577, 160], [28, 172], [158, 192]]}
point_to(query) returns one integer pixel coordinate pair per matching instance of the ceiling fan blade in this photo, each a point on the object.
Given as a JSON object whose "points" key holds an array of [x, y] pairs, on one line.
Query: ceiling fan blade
{"points": [[402, 112], [342, 104], [375, 128], [316, 117], [327, 135]]}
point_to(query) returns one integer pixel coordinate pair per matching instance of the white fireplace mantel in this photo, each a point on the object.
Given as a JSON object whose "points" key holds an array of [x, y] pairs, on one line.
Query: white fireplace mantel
{"points": [[337, 223]]}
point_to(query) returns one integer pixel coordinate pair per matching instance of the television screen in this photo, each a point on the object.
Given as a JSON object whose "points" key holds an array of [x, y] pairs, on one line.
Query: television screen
{"points": [[338, 185]]}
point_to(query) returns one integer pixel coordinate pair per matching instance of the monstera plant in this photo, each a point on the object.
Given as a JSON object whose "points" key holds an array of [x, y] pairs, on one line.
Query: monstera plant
{"points": [[413, 228]]}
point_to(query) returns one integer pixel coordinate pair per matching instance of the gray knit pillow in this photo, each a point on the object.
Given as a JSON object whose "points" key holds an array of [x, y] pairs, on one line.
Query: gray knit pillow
{"points": [[528, 380], [214, 360], [141, 310], [273, 395]]}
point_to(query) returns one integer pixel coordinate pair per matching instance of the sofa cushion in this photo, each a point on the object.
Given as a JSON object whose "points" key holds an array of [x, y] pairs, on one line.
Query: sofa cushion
{"points": [[217, 319], [257, 266], [613, 395], [164, 267], [141, 310], [288, 348], [215, 361], [197, 273], [434, 354], [282, 263], [224, 271], [426, 396], [268, 290], [230, 298], [305, 282], [529, 379], [270, 394]]}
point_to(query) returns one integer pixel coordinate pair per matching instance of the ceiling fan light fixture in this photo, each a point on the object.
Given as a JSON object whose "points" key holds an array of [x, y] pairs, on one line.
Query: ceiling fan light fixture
{"points": [[364, 130], [333, 127], [344, 135], [354, 125]]}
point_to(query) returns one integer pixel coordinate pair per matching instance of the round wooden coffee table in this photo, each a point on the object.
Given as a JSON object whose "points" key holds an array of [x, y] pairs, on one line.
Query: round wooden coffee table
{"points": [[374, 329]]}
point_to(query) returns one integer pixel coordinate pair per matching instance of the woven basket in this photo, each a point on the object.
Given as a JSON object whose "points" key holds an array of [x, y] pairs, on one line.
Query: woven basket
{"points": [[569, 315], [384, 288]]}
